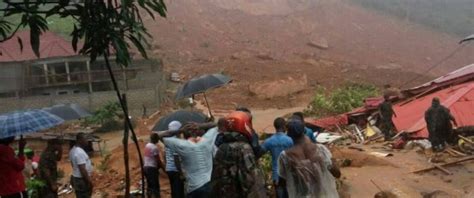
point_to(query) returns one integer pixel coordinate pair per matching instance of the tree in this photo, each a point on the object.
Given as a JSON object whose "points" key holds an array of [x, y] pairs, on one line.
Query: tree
{"points": [[102, 27]]}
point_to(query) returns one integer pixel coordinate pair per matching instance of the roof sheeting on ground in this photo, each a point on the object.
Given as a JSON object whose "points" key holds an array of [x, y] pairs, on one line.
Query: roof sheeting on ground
{"points": [[459, 99], [330, 122], [51, 45]]}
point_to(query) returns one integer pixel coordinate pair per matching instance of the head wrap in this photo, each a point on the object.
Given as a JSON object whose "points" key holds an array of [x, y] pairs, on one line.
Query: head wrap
{"points": [[174, 125]]}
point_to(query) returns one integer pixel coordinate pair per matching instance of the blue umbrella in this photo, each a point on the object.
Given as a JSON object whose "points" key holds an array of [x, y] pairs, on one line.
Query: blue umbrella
{"points": [[24, 122]]}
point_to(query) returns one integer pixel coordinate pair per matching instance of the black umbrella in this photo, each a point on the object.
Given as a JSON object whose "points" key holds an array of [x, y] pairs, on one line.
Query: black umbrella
{"points": [[182, 116], [201, 85], [68, 111]]}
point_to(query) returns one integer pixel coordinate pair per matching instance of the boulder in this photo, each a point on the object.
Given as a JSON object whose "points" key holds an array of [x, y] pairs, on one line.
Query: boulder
{"points": [[319, 42], [240, 55]]}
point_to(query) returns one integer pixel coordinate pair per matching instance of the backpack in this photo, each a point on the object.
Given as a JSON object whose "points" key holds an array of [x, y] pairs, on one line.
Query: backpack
{"points": [[235, 169]]}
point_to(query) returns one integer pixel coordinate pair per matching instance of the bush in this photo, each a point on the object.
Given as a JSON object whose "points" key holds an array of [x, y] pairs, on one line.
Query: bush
{"points": [[105, 114], [341, 100], [266, 165], [34, 186]]}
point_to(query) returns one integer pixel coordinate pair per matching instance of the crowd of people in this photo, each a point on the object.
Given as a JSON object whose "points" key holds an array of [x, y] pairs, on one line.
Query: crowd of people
{"points": [[211, 159], [216, 159], [16, 168]]}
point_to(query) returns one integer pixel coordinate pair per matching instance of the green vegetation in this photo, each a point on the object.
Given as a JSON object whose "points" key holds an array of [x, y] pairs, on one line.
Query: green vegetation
{"points": [[451, 16], [266, 165], [109, 117], [105, 114], [341, 100], [104, 163], [33, 187]]}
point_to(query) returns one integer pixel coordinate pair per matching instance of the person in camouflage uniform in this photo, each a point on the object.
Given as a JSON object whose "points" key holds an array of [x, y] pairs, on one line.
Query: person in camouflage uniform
{"points": [[386, 114], [235, 170], [438, 121], [47, 167]]}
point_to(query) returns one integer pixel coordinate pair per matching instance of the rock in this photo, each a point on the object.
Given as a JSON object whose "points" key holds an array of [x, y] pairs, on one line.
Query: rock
{"points": [[389, 66], [264, 56], [240, 55], [435, 194], [278, 88], [320, 43], [312, 62], [385, 194]]}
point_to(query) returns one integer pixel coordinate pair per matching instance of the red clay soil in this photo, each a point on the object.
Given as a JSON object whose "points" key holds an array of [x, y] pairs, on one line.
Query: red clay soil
{"points": [[216, 31], [260, 42]]}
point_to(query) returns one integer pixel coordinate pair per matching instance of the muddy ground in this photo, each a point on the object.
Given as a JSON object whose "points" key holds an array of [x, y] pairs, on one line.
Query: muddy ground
{"points": [[391, 174]]}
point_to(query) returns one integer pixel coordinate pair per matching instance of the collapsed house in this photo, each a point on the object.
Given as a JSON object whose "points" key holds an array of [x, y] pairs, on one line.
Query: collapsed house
{"points": [[455, 91]]}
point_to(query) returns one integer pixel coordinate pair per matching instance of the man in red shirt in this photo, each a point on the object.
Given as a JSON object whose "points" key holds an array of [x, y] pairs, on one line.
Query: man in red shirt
{"points": [[11, 167]]}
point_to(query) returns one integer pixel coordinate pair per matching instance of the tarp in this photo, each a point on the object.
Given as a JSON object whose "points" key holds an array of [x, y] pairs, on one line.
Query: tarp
{"points": [[459, 99]]}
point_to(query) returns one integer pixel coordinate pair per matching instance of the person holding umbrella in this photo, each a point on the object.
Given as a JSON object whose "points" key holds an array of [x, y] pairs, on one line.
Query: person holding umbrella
{"points": [[11, 167], [17, 124]]}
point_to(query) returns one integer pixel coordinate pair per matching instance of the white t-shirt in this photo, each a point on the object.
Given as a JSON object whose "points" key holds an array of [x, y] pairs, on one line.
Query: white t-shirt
{"points": [[151, 153], [78, 156]]}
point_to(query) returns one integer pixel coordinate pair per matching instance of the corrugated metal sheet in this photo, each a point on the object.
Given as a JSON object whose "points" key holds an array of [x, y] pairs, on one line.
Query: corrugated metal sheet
{"points": [[461, 75]]}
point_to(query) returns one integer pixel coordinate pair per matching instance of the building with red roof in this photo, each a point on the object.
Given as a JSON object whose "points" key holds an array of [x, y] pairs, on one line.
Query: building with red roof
{"points": [[52, 46], [58, 69]]}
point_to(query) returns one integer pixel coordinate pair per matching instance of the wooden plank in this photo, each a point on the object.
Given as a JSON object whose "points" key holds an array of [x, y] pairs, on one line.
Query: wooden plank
{"points": [[466, 139], [445, 164], [442, 169], [451, 153], [457, 152]]}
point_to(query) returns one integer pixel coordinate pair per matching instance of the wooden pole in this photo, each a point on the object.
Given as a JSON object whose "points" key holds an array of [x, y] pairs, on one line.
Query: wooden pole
{"points": [[445, 164], [89, 77], [125, 150], [442, 169], [68, 73]]}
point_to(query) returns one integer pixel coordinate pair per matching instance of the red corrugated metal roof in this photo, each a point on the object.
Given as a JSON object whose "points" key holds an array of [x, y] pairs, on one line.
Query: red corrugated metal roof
{"points": [[51, 46], [461, 75], [330, 122], [459, 99]]}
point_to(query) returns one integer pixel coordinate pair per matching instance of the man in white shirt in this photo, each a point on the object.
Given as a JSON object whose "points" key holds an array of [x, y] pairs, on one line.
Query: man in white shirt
{"points": [[81, 168], [151, 166]]}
